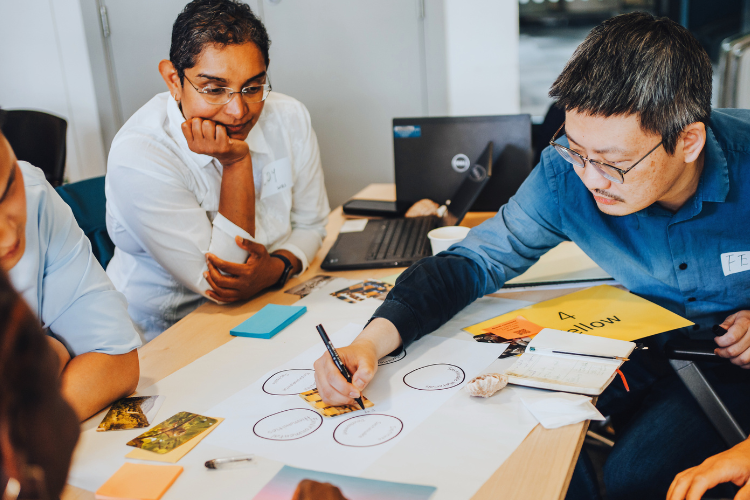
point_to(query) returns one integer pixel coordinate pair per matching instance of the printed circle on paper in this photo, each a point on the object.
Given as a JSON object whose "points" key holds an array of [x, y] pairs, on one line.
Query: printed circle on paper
{"points": [[435, 377], [367, 430], [387, 360], [288, 425], [290, 382]]}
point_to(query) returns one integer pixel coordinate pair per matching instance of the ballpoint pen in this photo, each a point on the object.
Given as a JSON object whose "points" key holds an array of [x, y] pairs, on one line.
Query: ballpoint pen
{"points": [[221, 463], [600, 356], [337, 360]]}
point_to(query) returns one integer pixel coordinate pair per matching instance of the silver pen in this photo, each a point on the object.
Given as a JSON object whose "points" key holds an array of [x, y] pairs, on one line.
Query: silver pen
{"points": [[229, 462]]}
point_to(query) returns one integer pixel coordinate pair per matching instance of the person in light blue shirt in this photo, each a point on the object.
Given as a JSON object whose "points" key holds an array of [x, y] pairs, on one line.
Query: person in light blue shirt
{"points": [[654, 186], [50, 263]]}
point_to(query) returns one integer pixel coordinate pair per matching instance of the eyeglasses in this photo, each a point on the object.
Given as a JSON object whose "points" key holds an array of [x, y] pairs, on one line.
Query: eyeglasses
{"points": [[614, 174], [222, 95]]}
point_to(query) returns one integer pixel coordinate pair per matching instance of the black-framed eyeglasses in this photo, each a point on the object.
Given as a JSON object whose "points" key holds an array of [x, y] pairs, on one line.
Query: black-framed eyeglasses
{"points": [[222, 95], [606, 170]]}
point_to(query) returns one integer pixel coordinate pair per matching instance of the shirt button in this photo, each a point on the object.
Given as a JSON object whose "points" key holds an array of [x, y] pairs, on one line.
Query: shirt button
{"points": [[692, 299], [696, 327], [683, 266]]}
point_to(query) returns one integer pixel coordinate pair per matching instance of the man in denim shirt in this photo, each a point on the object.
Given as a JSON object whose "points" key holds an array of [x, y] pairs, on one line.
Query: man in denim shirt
{"points": [[651, 185]]}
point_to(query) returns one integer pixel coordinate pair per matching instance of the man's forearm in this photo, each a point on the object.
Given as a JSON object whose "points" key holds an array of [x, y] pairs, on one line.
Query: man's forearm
{"points": [[430, 293], [237, 198], [93, 380]]}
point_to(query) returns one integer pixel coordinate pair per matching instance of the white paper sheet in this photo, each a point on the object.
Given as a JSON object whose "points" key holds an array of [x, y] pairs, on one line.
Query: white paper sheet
{"points": [[456, 448], [268, 418], [556, 409]]}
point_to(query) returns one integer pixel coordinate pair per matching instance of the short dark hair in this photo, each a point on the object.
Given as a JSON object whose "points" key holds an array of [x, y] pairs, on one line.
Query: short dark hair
{"points": [[214, 22], [638, 64]]}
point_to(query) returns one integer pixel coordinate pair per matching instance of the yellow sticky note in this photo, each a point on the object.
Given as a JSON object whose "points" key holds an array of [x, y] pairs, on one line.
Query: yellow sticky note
{"points": [[602, 311], [175, 455]]}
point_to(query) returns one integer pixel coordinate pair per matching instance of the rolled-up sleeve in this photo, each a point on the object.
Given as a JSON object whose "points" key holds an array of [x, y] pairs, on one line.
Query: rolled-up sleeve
{"points": [[161, 213], [434, 289], [310, 207], [79, 304]]}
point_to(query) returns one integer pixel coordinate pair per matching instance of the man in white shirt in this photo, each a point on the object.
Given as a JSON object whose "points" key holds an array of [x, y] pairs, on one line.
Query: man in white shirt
{"points": [[215, 189], [49, 261]]}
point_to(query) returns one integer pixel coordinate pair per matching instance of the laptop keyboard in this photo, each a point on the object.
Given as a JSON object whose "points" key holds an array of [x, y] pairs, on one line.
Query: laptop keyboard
{"points": [[402, 239]]}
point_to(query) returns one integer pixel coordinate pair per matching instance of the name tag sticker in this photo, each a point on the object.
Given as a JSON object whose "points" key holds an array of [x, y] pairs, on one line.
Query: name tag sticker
{"points": [[735, 262], [276, 176]]}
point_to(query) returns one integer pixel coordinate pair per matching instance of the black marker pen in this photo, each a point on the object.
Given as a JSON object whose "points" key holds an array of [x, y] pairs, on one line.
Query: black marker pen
{"points": [[337, 360]]}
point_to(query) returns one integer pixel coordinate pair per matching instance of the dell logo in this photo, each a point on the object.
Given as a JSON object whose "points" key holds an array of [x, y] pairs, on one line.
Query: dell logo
{"points": [[460, 163]]}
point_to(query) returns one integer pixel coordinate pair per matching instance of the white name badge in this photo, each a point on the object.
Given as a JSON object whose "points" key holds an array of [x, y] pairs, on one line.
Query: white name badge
{"points": [[735, 262], [276, 177]]}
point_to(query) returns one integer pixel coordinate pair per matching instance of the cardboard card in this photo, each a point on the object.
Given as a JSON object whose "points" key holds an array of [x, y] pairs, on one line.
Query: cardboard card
{"points": [[139, 482], [601, 311], [309, 286], [517, 328], [370, 289], [131, 413], [268, 321], [176, 454], [314, 400], [173, 432]]}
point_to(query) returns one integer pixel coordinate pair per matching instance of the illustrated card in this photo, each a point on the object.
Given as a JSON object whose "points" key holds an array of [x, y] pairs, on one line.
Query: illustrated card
{"points": [[173, 432], [131, 413], [314, 400], [370, 289], [309, 286]]}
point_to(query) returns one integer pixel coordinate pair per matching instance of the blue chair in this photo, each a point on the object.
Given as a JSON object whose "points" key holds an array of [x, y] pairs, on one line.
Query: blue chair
{"points": [[87, 200]]}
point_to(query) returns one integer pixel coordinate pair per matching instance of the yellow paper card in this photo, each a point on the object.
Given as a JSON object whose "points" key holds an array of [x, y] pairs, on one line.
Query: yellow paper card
{"points": [[175, 455], [602, 311]]}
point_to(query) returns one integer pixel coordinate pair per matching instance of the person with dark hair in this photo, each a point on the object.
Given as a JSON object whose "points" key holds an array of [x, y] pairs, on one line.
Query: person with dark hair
{"points": [[38, 428], [49, 260], [215, 188], [653, 185]]}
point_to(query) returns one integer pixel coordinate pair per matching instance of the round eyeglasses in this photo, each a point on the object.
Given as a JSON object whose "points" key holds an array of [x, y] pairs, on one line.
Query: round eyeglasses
{"points": [[222, 95], [610, 172]]}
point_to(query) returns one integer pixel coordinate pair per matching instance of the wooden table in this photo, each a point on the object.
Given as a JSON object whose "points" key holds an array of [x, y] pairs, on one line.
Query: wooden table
{"points": [[552, 451]]}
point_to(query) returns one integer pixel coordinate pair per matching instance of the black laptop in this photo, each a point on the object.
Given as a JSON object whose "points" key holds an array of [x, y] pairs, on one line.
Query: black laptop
{"points": [[432, 155], [403, 241]]}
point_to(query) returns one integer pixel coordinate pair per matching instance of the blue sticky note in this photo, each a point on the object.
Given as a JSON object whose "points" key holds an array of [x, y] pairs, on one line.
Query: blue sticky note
{"points": [[268, 321]]}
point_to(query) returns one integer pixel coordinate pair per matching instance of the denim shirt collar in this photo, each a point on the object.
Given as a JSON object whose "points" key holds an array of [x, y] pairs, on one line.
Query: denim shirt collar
{"points": [[712, 187]]}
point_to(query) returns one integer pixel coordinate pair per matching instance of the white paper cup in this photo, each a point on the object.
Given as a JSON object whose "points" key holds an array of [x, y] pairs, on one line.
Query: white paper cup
{"points": [[443, 237]]}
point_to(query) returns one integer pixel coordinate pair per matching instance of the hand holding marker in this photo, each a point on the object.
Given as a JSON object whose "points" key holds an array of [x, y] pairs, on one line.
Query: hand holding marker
{"points": [[337, 360]]}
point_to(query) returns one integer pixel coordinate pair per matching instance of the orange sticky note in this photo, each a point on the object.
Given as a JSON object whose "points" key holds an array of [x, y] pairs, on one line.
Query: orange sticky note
{"points": [[514, 329], [139, 482]]}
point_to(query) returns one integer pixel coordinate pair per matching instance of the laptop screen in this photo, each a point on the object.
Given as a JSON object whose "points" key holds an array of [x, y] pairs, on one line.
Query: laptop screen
{"points": [[478, 176]]}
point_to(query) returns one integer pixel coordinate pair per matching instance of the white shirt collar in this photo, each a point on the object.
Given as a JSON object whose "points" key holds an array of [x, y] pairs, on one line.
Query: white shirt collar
{"points": [[256, 140]]}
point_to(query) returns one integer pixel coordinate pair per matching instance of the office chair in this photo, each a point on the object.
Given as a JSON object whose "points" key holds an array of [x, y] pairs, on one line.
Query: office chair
{"points": [[543, 132], [38, 138], [87, 200], [683, 353]]}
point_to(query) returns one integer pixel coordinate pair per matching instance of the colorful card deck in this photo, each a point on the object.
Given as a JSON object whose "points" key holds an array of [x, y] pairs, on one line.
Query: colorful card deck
{"points": [[370, 289], [314, 400]]}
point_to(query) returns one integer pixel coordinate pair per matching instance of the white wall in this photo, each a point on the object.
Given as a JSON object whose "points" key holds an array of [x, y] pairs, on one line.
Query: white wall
{"points": [[45, 66], [481, 40]]}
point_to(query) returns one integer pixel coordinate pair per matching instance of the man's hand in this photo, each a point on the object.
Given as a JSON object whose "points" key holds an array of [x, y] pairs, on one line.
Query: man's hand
{"points": [[732, 465], [735, 344], [242, 281], [360, 358], [206, 137], [379, 338]]}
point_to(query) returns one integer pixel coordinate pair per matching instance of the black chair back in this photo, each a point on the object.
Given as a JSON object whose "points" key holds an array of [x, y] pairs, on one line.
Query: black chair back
{"points": [[38, 138]]}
